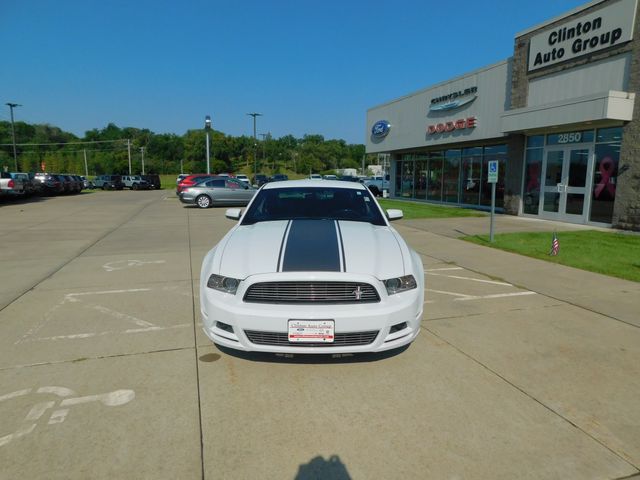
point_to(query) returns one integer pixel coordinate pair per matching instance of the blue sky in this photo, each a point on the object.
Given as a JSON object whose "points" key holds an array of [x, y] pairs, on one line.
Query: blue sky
{"points": [[309, 67]]}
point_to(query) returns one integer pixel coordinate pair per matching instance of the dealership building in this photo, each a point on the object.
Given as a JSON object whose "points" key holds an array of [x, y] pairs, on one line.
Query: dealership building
{"points": [[559, 116]]}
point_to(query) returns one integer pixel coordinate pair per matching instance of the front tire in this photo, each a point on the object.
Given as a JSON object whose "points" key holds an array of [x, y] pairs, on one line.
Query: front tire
{"points": [[203, 201]]}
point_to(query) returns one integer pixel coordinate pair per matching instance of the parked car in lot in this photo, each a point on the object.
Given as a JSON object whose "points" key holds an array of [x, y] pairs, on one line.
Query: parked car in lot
{"points": [[76, 183], [181, 177], [28, 185], [377, 184], [279, 177], [135, 182], [260, 179], [191, 180], [217, 191], [312, 266], [50, 184], [86, 183], [315, 176], [243, 178], [153, 180], [10, 186], [109, 182]]}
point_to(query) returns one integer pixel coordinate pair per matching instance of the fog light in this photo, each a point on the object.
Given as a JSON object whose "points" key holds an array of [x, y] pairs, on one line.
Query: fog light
{"points": [[397, 327], [224, 326]]}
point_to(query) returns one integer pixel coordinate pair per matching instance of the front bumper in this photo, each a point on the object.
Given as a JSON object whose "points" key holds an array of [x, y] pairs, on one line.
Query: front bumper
{"points": [[350, 320]]}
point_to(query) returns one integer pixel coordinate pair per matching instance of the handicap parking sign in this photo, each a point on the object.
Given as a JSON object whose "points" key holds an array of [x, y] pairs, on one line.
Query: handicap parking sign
{"points": [[492, 173]]}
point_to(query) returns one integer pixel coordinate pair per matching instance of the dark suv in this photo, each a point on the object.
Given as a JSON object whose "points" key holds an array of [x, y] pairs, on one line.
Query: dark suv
{"points": [[260, 180], [154, 181], [109, 182]]}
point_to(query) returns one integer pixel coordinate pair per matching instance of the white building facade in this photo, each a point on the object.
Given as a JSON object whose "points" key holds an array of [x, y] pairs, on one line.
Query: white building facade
{"points": [[560, 117]]}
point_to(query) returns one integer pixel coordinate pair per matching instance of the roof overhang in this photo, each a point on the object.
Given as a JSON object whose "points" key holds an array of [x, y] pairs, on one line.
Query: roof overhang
{"points": [[601, 107]]}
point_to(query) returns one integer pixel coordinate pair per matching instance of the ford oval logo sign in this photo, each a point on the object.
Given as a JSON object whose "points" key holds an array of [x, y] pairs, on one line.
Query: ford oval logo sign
{"points": [[380, 129]]}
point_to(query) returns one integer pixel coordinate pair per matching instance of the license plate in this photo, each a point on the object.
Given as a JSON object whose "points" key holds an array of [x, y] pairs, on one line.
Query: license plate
{"points": [[317, 331]]}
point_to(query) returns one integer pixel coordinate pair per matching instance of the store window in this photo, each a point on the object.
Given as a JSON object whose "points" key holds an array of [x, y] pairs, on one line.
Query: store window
{"points": [[451, 176], [434, 177], [470, 175], [532, 172], [406, 183], [605, 173], [421, 177]]}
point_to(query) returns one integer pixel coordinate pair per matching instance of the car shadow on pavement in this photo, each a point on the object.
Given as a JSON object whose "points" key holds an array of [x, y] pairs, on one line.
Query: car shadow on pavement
{"points": [[310, 358]]}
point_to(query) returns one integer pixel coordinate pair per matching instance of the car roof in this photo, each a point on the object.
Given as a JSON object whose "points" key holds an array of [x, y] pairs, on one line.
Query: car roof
{"points": [[315, 183]]}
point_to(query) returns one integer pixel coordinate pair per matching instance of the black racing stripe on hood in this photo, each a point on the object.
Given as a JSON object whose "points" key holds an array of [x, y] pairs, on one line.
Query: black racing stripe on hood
{"points": [[284, 238], [312, 245]]}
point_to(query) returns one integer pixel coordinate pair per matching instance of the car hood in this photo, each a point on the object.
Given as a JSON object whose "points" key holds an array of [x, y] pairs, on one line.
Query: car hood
{"points": [[311, 246]]}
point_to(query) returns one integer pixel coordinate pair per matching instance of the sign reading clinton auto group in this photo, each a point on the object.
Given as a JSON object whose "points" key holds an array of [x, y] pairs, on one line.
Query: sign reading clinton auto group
{"points": [[604, 28]]}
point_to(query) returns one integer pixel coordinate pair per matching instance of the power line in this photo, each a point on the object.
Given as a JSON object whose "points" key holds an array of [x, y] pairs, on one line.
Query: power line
{"points": [[62, 143], [61, 152]]}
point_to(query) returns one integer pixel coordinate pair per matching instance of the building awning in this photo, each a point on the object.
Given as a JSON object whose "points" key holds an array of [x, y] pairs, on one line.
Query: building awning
{"points": [[605, 106]]}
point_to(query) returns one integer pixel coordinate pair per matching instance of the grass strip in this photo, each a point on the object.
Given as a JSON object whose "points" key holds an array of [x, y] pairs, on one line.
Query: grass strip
{"points": [[616, 254], [415, 210]]}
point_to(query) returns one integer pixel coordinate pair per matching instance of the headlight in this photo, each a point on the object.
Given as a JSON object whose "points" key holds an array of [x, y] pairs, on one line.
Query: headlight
{"points": [[400, 284], [223, 284]]}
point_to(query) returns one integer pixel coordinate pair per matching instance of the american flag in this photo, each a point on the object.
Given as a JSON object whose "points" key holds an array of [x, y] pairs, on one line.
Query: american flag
{"points": [[555, 245]]}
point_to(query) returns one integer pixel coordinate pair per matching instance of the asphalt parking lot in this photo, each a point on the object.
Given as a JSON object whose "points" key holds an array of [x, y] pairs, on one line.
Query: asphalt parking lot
{"points": [[522, 369]]}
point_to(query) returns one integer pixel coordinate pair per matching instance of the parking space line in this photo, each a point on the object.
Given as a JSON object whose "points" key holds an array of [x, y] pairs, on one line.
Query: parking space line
{"points": [[455, 294], [77, 336], [443, 269], [497, 295], [491, 282]]}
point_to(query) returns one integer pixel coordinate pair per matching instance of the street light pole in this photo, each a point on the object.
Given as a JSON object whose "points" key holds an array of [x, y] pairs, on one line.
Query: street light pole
{"points": [[207, 127], [129, 153], [13, 133], [255, 144]]}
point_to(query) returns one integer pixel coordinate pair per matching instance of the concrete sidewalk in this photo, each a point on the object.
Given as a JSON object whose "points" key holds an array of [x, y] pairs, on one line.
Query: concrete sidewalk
{"points": [[615, 298], [460, 227]]}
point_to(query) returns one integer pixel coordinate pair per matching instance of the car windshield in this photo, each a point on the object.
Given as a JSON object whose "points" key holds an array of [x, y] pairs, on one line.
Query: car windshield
{"points": [[313, 203]]}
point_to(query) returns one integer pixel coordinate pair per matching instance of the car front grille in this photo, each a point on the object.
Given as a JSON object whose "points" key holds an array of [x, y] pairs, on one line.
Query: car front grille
{"points": [[311, 292], [277, 339]]}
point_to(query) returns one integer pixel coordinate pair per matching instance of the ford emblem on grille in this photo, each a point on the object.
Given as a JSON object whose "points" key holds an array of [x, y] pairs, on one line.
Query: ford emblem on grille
{"points": [[380, 129]]}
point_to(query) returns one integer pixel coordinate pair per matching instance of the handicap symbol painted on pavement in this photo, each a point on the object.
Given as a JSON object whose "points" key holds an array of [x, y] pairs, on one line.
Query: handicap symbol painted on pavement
{"points": [[60, 411]]}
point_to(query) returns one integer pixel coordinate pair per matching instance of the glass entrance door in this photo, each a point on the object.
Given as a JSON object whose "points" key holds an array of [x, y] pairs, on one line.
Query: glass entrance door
{"points": [[566, 173]]}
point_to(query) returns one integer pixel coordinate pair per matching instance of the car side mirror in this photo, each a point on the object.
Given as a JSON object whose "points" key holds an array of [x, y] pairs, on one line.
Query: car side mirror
{"points": [[233, 213], [394, 214]]}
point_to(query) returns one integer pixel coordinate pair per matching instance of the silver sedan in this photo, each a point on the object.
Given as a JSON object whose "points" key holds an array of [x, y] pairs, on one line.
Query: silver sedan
{"points": [[218, 191]]}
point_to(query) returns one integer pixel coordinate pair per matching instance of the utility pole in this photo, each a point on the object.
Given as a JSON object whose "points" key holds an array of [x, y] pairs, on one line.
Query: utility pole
{"points": [[255, 143], [265, 136], [13, 133], [129, 151], [142, 157], [86, 168]]}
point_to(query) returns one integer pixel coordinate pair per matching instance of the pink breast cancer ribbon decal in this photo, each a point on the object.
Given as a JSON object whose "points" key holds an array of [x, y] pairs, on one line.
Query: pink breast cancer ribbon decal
{"points": [[606, 168], [534, 174]]}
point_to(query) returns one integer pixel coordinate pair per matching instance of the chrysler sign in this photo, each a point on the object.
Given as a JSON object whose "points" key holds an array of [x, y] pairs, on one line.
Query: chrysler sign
{"points": [[608, 27], [454, 100]]}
